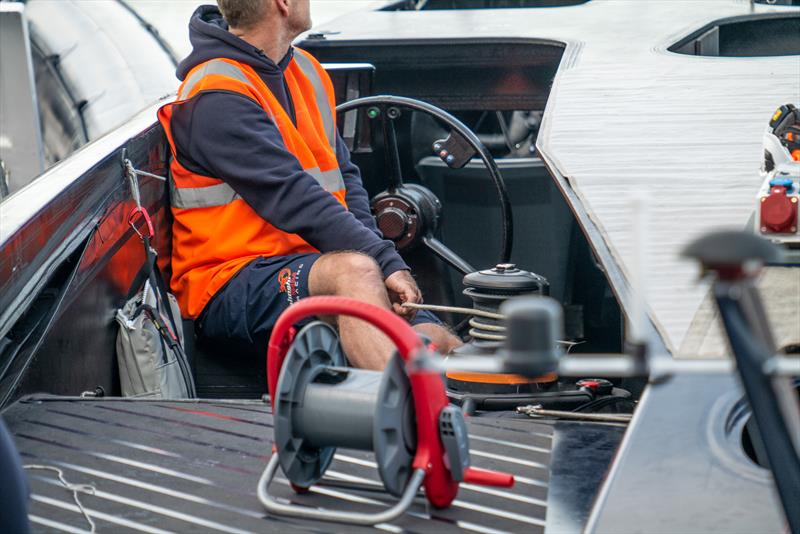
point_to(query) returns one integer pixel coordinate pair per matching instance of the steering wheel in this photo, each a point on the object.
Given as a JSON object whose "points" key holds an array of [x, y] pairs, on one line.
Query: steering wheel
{"points": [[408, 214]]}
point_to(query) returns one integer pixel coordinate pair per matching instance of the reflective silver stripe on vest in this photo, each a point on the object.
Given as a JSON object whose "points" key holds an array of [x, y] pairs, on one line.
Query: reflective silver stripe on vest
{"points": [[215, 66], [223, 194], [201, 197], [329, 180], [323, 104]]}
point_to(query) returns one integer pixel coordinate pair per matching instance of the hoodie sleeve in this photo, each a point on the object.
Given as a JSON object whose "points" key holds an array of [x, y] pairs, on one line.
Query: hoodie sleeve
{"points": [[356, 196], [230, 137]]}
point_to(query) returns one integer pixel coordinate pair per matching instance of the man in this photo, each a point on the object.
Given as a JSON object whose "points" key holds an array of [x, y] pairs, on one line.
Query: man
{"points": [[267, 206]]}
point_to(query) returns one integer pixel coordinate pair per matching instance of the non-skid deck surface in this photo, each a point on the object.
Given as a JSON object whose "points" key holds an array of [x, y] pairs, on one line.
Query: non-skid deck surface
{"points": [[193, 466]]}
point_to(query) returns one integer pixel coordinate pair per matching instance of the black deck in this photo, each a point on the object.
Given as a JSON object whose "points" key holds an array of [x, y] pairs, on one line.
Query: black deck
{"points": [[193, 466]]}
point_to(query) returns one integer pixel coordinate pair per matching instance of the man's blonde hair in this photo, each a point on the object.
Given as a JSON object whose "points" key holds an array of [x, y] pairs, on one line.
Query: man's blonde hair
{"points": [[242, 13]]}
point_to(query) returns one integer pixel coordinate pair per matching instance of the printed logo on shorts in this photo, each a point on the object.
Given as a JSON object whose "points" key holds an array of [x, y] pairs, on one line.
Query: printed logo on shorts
{"points": [[288, 282]]}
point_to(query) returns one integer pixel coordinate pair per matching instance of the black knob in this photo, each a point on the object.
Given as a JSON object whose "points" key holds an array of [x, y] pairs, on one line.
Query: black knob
{"points": [[732, 253], [534, 325]]}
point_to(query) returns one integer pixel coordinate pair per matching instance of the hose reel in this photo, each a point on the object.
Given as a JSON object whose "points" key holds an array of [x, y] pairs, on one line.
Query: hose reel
{"points": [[322, 405], [401, 414]]}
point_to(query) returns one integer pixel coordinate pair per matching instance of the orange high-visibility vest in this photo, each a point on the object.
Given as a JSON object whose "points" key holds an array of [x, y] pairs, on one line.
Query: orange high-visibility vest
{"points": [[215, 232]]}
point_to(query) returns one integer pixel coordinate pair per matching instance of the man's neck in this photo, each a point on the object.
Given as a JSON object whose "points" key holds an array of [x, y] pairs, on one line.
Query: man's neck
{"points": [[274, 42]]}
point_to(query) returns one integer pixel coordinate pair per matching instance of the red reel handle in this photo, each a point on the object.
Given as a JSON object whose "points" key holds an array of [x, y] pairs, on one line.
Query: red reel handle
{"points": [[484, 477]]}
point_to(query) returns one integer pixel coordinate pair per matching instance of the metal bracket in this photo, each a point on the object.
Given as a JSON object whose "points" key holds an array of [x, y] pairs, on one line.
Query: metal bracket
{"points": [[276, 508]]}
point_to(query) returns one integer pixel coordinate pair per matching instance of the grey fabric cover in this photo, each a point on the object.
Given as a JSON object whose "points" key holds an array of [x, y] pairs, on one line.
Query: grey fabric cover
{"points": [[147, 368]]}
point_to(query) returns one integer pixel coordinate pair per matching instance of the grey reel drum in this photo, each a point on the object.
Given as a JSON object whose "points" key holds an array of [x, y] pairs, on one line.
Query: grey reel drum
{"points": [[322, 405]]}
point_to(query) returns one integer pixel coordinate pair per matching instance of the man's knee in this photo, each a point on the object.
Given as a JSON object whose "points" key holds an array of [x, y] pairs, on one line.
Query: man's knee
{"points": [[343, 271]]}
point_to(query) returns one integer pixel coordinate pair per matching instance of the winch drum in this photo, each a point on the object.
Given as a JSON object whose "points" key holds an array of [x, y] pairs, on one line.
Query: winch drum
{"points": [[322, 405]]}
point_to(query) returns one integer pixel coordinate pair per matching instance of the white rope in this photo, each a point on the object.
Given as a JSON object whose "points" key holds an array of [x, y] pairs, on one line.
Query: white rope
{"points": [[455, 309], [74, 488], [131, 169], [150, 175], [488, 327], [474, 332], [130, 173]]}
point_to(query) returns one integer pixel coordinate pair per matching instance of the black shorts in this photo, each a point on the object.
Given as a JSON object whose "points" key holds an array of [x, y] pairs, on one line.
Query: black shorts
{"points": [[246, 308]]}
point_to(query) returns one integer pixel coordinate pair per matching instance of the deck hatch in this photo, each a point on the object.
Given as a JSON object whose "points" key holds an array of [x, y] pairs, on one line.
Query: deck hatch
{"points": [[747, 36]]}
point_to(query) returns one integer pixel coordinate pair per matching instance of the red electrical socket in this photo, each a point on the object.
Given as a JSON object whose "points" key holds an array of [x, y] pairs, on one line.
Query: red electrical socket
{"points": [[778, 212]]}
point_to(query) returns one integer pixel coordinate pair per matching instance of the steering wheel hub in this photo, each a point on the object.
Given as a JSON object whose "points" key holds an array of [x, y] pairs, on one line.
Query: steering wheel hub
{"points": [[394, 221], [406, 214]]}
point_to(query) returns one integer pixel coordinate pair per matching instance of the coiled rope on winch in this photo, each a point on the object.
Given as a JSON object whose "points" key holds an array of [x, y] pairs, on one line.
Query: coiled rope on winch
{"points": [[477, 326], [475, 332]]}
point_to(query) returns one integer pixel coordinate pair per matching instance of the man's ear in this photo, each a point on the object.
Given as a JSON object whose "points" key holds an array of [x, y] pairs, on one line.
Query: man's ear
{"points": [[283, 6]]}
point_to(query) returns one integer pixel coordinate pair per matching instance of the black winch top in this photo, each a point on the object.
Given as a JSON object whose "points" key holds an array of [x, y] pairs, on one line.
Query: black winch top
{"points": [[505, 277]]}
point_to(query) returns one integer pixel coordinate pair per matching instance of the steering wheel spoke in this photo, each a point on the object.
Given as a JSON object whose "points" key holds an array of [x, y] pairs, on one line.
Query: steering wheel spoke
{"points": [[390, 149], [448, 256]]}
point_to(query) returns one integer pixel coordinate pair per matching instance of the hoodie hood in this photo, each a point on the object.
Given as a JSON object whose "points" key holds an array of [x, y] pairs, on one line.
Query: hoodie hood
{"points": [[210, 39]]}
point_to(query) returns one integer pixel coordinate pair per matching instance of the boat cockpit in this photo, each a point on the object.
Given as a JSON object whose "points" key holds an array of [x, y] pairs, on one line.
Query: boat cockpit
{"points": [[460, 154], [502, 103]]}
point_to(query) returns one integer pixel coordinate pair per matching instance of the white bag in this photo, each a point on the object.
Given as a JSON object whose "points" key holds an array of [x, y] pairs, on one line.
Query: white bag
{"points": [[152, 362]]}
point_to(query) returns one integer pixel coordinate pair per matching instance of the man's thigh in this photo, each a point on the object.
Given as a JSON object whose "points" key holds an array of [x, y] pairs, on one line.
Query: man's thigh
{"points": [[247, 307]]}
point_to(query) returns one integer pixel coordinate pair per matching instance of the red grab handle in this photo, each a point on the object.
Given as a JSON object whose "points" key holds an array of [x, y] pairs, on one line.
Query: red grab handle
{"points": [[484, 477]]}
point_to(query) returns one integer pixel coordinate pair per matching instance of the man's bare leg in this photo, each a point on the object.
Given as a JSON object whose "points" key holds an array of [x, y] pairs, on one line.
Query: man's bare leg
{"points": [[357, 276], [445, 341]]}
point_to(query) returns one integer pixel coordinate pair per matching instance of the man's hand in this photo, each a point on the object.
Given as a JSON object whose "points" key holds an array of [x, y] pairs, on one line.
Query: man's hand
{"points": [[403, 288]]}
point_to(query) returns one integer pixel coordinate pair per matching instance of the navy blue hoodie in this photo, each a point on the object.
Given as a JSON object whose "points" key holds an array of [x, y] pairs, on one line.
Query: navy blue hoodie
{"points": [[229, 136]]}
